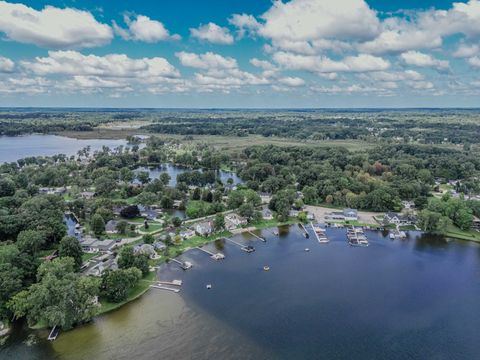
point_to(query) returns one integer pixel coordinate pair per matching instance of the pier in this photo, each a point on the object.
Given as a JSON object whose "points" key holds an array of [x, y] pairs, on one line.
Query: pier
{"points": [[320, 234], [258, 237], [356, 237], [184, 265], [54, 333], [160, 287], [247, 249], [306, 234], [217, 256]]}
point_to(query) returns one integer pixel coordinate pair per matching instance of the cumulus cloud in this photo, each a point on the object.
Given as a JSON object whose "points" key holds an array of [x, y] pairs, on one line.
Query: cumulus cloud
{"points": [[113, 65], [212, 33], [465, 51], [245, 24], [304, 20], [323, 64], [474, 61], [208, 60], [419, 59], [6, 65], [292, 81], [142, 28], [52, 27]]}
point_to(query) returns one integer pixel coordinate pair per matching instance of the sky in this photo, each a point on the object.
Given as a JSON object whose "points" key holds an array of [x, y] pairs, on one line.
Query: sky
{"points": [[240, 53]]}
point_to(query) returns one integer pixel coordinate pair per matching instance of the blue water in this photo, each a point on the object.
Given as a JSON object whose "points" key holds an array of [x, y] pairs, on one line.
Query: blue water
{"points": [[174, 170], [404, 299], [396, 299], [19, 147]]}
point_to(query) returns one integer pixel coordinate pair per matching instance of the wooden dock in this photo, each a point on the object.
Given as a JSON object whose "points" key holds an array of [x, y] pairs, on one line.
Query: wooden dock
{"points": [[245, 248], [217, 256], [54, 333], [322, 238], [160, 287], [258, 237]]}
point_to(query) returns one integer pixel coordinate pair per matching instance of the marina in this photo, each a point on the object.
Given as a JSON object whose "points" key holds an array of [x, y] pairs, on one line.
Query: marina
{"points": [[356, 237], [320, 233]]}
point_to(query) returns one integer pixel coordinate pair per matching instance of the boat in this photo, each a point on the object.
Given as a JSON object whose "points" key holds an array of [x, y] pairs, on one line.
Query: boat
{"points": [[209, 286], [391, 235], [248, 248], [266, 268], [307, 249]]}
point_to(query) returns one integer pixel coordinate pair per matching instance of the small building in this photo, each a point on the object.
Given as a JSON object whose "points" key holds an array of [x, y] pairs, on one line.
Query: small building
{"points": [[149, 212], [145, 249], [233, 220], [92, 245], [293, 213], [204, 228], [159, 246], [111, 227], [350, 214], [408, 205], [267, 214], [187, 233], [398, 219], [87, 194], [476, 224], [52, 190]]}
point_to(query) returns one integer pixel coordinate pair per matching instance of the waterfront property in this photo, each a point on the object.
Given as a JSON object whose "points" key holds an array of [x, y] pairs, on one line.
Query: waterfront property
{"points": [[233, 220], [345, 215], [399, 219]]}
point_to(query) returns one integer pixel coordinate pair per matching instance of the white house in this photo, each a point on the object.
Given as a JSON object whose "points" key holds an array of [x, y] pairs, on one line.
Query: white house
{"points": [[204, 228], [233, 221]]}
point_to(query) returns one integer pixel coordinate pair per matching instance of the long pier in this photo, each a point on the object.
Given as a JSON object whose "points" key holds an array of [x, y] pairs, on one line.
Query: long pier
{"points": [[165, 288], [306, 234], [321, 240], [185, 266], [258, 237], [245, 248], [217, 256]]}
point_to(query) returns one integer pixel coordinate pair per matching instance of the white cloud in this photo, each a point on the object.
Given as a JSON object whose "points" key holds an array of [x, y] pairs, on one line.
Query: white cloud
{"points": [[52, 27], [6, 65], [474, 61], [308, 20], [424, 60], [322, 64], [207, 61], [292, 81], [142, 28], [465, 51], [212, 33], [245, 24], [112, 65]]}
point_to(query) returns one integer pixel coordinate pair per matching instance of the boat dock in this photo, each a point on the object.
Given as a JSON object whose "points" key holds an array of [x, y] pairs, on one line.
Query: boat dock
{"points": [[54, 333], [160, 287], [217, 256], [258, 237], [245, 248], [356, 237], [320, 234], [173, 282], [306, 234], [184, 265]]}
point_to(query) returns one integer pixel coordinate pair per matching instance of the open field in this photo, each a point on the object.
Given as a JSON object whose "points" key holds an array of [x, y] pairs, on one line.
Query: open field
{"points": [[364, 217]]}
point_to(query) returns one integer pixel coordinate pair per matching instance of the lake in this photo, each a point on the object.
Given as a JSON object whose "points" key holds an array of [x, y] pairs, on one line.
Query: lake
{"points": [[13, 148], [396, 299], [174, 170]]}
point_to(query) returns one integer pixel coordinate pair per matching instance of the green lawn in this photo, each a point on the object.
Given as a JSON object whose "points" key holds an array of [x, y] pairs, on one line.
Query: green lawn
{"points": [[457, 233], [88, 256], [140, 289], [151, 228]]}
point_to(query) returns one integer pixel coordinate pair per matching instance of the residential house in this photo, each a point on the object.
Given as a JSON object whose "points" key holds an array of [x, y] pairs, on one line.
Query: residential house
{"points": [[350, 214], [398, 219], [267, 213], [204, 228], [111, 227], [87, 194], [145, 249], [233, 220], [187, 233]]}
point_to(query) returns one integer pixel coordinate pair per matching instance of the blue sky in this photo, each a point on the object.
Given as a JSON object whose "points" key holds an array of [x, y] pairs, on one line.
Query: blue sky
{"points": [[240, 53]]}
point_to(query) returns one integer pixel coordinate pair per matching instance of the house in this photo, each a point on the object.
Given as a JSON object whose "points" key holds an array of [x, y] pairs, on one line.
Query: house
{"points": [[398, 219], [232, 221], [293, 213], [350, 214], [476, 224], [408, 205], [187, 233], [91, 245], [148, 212], [145, 249], [87, 194], [52, 191], [267, 214], [265, 197], [111, 227], [159, 246], [204, 228]]}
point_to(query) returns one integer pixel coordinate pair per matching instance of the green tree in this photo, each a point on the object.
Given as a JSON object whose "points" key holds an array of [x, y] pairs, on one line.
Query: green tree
{"points": [[31, 241], [128, 259], [60, 297], [176, 221], [148, 239], [219, 222], [143, 177], [70, 247], [121, 227], [164, 178], [117, 283], [97, 224]]}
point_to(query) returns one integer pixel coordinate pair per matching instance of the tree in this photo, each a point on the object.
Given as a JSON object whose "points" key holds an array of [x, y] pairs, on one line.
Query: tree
{"points": [[166, 202], [176, 221], [121, 227], [128, 259], [130, 212], [59, 298], [428, 220], [143, 177], [247, 211], [219, 222], [70, 246], [31, 241], [235, 199], [148, 239], [105, 185], [196, 194], [165, 178], [97, 224], [7, 187], [117, 283]]}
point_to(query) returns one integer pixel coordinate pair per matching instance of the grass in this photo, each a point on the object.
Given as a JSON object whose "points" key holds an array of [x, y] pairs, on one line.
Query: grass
{"points": [[88, 256], [151, 228], [140, 289], [457, 233]]}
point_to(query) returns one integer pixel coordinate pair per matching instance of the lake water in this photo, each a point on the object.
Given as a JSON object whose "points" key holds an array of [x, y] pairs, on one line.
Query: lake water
{"points": [[396, 299], [174, 170], [19, 147]]}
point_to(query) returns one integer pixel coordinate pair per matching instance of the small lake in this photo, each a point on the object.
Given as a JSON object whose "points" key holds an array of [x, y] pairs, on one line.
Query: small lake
{"points": [[174, 170], [396, 299], [13, 148]]}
